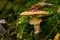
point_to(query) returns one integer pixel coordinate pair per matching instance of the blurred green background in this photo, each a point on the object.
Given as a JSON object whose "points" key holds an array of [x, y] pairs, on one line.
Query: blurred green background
{"points": [[19, 27]]}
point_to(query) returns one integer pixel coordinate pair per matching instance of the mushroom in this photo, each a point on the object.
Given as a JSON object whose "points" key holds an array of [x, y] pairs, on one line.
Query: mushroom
{"points": [[2, 29], [35, 21], [2, 21]]}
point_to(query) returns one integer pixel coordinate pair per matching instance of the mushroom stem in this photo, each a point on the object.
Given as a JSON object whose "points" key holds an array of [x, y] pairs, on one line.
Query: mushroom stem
{"points": [[36, 22], [37, 29]]}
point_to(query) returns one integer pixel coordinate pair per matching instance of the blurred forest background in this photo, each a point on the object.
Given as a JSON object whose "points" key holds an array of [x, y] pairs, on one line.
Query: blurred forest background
{"points": [[18, 27]]}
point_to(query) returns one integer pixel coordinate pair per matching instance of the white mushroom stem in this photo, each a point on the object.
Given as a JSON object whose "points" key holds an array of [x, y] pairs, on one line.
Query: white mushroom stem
{"points": [[36, 22], [37, 29]]}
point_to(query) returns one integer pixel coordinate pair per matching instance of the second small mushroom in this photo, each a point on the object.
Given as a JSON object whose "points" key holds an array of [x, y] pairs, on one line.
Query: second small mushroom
{"points": [[35, 21], [2, 29]]}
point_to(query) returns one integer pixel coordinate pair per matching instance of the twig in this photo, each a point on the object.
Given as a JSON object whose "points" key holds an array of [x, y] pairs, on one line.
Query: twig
{"points": [[51, 31]]}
